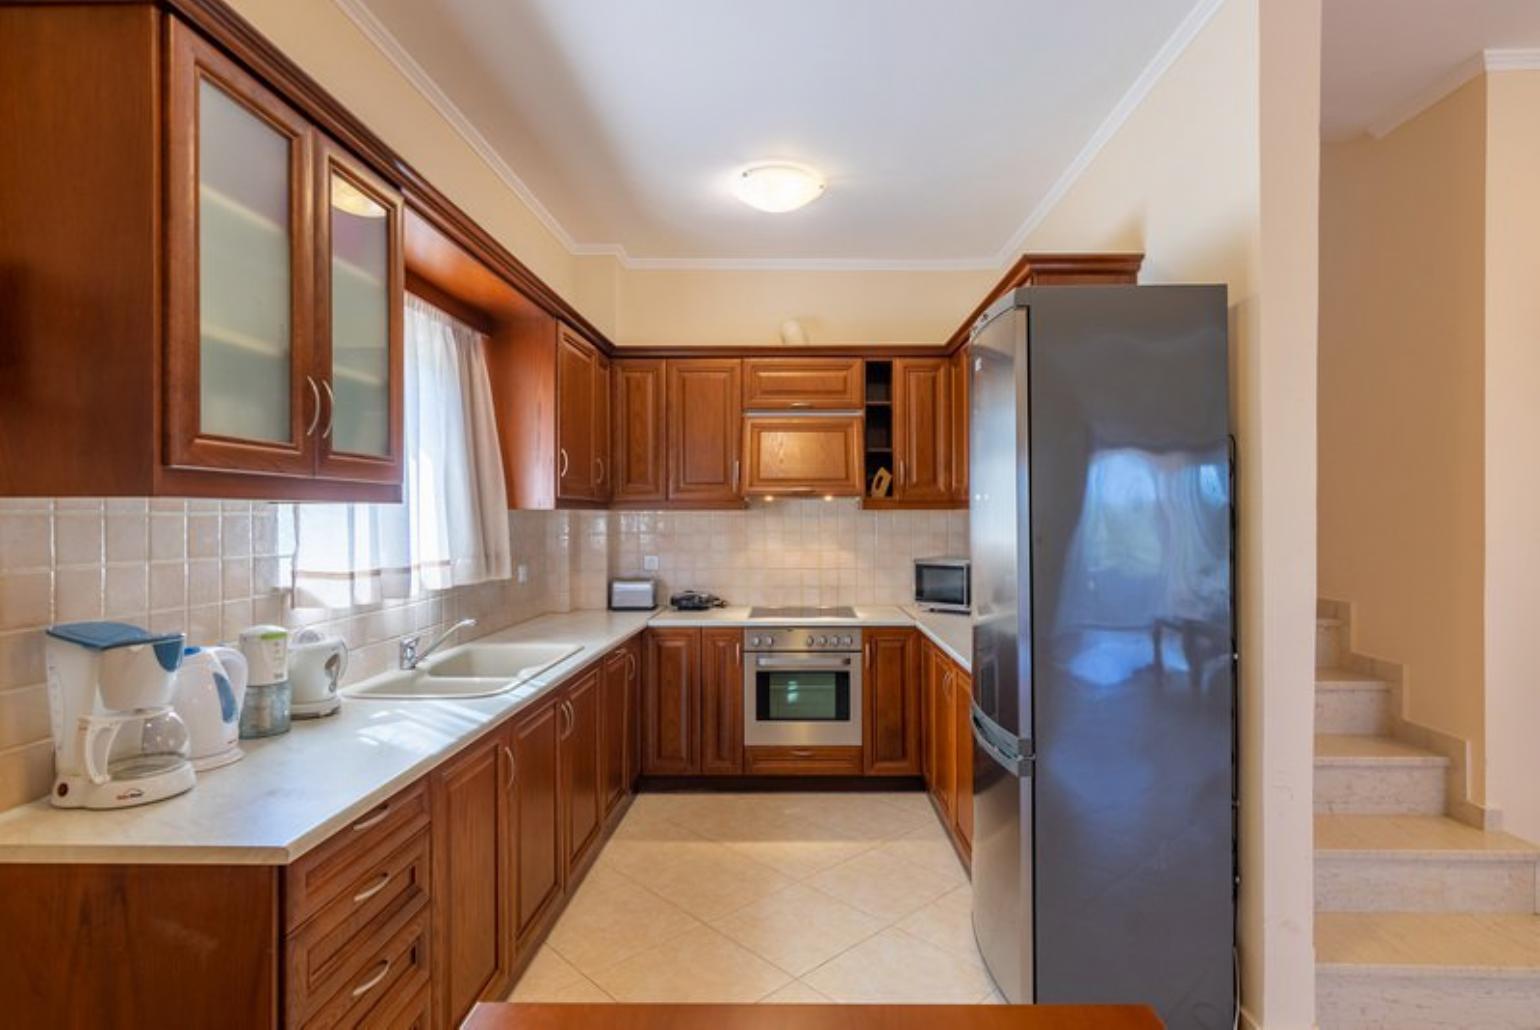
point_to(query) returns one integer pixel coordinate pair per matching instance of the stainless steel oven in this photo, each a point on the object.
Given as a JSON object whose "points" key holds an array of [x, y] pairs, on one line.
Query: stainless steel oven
{"points": [[802, 685]]}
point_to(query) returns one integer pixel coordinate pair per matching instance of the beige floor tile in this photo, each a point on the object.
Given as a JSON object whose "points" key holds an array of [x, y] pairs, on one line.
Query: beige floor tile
{"points": [[799, 928], [698, 966], [707, 879], [796, 993], [857, 816], [801, 859], [547, 972], [947, 923], [603, 925], [914, 802], [929, 851], [882, 885], [896, 968]]}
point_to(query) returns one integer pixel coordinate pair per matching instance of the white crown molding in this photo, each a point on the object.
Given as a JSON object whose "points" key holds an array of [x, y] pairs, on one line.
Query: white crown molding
{"points": [[1164, 58], [386, 42], [1492, 60], [394, 52]]}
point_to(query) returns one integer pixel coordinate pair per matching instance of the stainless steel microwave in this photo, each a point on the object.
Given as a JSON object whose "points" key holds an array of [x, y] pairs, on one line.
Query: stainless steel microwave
{"points": [[943, 584]]}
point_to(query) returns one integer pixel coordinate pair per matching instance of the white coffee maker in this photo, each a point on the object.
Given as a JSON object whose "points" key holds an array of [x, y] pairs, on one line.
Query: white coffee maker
{"points": [[116, 739]]}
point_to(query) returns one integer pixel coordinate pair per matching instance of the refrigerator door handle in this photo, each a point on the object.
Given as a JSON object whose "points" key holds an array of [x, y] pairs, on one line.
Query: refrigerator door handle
{"points": [[1018, 765]]}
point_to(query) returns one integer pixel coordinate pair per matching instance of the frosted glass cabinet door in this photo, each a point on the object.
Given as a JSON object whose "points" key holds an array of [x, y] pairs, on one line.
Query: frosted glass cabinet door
{"points": [[362, 306], [241, 246]]}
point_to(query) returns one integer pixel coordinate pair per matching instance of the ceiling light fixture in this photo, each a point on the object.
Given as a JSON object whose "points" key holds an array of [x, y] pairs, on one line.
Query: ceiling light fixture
{"points": [[778, 186]]}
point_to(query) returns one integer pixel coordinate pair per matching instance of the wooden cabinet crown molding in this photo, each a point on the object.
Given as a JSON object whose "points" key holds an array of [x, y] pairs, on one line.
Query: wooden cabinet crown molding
{"points": [[1052, 270]]}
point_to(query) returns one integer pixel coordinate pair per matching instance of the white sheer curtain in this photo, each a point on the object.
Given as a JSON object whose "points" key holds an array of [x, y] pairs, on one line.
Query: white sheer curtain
{"points": [[451, 528]]}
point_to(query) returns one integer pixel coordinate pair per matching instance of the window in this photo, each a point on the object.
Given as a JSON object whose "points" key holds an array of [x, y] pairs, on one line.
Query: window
{"points": [[451, 528]]}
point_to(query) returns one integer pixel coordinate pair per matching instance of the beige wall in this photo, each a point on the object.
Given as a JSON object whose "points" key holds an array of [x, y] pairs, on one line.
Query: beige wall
{"points": [[1214, 176], [689, 307], [1512, 474], [1401, 421]]}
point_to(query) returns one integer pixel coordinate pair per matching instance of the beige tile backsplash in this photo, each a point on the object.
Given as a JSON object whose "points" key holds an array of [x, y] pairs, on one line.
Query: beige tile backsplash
{"points": [[210, 568]]}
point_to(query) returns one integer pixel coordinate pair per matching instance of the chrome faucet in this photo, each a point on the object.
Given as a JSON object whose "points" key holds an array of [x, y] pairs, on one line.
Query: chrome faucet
{"points": [[411, 657]]}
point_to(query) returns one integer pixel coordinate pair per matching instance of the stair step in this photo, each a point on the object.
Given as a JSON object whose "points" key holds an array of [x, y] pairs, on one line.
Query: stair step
{"points": [[1369, 775], [1351, 703], [1410, 863], [1427, 971]]}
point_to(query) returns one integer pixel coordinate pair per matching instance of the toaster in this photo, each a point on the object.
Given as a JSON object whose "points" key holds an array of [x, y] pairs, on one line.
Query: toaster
{"points": [[633, 595]]}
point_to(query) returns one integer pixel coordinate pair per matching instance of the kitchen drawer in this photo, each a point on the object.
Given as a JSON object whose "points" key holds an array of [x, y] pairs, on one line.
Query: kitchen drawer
{"points": [[333, 948], [388, 989], [349, 861], [802, 384], [802, 761]]}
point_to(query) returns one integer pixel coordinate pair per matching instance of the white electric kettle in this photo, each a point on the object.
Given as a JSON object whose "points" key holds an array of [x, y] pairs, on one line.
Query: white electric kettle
{"points": [[210, 688], [316, 667]]}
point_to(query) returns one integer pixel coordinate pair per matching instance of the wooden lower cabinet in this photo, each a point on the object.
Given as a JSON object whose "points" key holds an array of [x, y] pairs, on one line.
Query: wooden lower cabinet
{"points": [[472, 795], [671, 703], [721, 704], [537, 866], [949, 743], [890, 687], [940, 734], [582, 801], [616, 729]]}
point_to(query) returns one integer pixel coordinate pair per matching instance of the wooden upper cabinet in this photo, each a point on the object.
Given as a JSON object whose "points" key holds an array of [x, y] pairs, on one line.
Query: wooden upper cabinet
{"points": [[815, 384], [704, 421], [961, 374], [638, 448], [576, 455], [241, 386], [671, 703], [360, 303], [890, 685], [922, 430], [603, 469], [802, 454], [721, 704]]}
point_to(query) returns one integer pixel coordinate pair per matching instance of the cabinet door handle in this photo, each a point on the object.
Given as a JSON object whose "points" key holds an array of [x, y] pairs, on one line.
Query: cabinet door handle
{"points": [[900, 470], [631, 663], [331, 408], [370, 891], [374, 981], [735, 475], [566, 710], [800, 404], [315, 395], [373, 820], [561, 472], [600, 462], [513, 766]]}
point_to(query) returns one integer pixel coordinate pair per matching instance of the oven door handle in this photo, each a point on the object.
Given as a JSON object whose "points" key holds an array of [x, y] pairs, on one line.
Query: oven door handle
{"points": [[801, 663]]}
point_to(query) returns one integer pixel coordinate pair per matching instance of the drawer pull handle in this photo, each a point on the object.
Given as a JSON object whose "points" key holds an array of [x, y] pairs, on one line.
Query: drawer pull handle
{"points": [[369, 892], [801, 753], [373, 820], [374, 981]]}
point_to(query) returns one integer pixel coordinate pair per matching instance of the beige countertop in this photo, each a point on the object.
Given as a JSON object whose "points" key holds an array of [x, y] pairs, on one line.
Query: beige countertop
{"points": [[291, 792]]}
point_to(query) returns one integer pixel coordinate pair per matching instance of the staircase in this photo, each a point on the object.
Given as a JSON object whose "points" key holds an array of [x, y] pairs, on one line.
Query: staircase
{"points": [[1422, 921]]}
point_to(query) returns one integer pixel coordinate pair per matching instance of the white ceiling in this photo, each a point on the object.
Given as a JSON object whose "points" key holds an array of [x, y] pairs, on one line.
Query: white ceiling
{"points": [[1384, 60], [940, 124]]}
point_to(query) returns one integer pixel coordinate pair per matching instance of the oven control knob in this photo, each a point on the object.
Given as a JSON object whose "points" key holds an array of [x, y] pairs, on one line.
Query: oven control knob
{"points": [[809, 641], [823, 641], [845, 641]]}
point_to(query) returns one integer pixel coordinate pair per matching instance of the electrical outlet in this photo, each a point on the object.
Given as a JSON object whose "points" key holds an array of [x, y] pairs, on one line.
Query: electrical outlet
{"points": [[649, 563], [522, 573]]}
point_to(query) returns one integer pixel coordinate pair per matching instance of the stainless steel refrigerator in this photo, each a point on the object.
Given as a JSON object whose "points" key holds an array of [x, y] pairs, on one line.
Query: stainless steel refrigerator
{"points": [[1104, 661]]}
